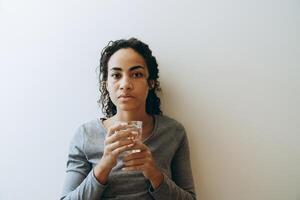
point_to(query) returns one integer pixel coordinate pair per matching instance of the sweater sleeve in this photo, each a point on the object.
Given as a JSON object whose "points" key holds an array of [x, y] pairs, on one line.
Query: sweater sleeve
{"points": [[80, 182], [181, 185]]}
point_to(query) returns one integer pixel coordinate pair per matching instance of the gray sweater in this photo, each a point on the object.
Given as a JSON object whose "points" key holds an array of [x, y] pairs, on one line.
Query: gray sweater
{"points": [[169, 146]]}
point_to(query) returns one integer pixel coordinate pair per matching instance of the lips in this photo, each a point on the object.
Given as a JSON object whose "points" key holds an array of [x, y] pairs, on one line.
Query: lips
{"points": [[125, 96]]}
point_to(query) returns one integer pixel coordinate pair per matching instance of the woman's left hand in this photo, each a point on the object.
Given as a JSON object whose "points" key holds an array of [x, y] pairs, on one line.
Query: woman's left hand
{"points": [[143, 161]]}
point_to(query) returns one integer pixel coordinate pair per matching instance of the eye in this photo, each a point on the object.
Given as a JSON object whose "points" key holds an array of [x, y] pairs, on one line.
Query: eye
{"points": [[116, 75], [137, 75]]}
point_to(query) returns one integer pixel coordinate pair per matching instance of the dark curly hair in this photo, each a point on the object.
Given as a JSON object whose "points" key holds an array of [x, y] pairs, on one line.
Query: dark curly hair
{"points": [[152, 101]]}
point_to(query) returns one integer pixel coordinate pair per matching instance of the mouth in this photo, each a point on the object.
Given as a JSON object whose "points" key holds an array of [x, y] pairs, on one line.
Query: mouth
{"points": [[125, 97]]}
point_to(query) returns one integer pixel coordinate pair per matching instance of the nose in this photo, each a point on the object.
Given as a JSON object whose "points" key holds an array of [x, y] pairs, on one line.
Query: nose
{"points": [[125, 83]]}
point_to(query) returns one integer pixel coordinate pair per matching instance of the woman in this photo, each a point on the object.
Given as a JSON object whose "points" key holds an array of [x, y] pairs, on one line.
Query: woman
{"points": [[161, 168]]}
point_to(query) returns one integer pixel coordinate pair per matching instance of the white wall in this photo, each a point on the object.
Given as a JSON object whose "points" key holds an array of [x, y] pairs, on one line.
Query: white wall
{"points": [[229, 71]]}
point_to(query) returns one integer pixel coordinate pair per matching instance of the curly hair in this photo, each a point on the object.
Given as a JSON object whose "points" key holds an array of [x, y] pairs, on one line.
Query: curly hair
{"points": [[152, 101]]}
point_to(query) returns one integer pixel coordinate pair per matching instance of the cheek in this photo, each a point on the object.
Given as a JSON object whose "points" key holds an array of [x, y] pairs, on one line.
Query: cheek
{"points": [[111, 89], [145, 90]]}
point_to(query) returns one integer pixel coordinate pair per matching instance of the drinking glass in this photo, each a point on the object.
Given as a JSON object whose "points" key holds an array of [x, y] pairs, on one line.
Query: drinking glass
{"points": [[136, 127]]}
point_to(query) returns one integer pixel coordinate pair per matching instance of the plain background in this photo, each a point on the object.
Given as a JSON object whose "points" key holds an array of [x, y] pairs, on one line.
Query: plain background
{"points": [[229, 72]]}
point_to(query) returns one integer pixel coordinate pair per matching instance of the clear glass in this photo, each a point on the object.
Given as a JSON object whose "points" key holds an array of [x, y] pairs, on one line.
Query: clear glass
{"points": [[137, 128]]}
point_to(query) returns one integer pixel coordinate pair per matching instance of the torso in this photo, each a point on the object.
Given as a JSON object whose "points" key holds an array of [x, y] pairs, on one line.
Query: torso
{"points": [[165, 141]]}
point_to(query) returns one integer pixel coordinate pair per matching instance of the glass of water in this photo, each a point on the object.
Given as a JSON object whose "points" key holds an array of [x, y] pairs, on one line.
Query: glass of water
{"points": [[136, 129]]}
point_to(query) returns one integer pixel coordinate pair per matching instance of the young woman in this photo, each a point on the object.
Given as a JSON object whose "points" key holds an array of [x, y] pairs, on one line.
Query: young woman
{"points": [[161, 168]]}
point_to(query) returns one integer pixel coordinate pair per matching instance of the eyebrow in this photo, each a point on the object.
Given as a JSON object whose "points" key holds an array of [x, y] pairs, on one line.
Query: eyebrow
{"points": [[130, 69]]}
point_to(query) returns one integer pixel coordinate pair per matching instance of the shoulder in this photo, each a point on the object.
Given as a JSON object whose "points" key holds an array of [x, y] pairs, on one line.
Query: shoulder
{"points": [[93, 125], [87, 130], [170, 126], [166, 121]]}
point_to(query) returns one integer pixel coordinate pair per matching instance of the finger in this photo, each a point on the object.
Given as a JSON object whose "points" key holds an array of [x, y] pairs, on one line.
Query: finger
{"points": [[140, 145], [138, 155], [134, 168], [119, 143], [111, 130], [120, 135], [121, 149], [136, 162]]}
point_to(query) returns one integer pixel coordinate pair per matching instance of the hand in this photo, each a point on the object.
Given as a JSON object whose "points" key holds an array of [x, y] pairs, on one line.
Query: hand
{"points": [[143, 161], [117, 141]]}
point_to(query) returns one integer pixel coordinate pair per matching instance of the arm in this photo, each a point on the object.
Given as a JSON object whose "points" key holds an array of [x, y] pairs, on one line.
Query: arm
{"points": [[181, 186], [80, 182]]}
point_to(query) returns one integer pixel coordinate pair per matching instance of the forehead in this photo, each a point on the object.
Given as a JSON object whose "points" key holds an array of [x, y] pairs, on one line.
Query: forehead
{"points": [[126, 58]]}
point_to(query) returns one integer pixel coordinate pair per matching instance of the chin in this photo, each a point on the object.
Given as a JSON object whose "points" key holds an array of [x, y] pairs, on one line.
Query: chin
{"points": [[128, 107]]}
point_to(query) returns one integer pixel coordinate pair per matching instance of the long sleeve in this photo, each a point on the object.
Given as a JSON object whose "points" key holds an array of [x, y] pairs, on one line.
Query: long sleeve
{"points": [[80, 182], [181, 185]]}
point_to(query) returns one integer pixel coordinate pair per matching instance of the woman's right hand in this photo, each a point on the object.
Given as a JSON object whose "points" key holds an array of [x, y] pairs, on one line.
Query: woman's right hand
{"points": [[118, 139]]}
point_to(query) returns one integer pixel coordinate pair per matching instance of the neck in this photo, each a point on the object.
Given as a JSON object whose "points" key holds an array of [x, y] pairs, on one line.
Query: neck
{"points": [[132, 116]]}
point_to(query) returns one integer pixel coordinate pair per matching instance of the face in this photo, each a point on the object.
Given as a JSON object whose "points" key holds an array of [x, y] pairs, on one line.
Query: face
{"points": [[127, 80]]}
